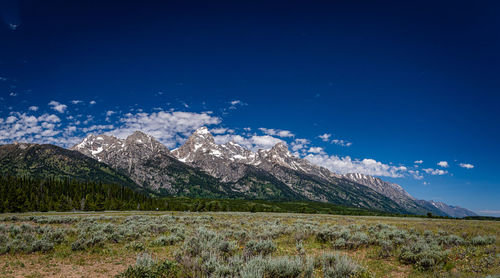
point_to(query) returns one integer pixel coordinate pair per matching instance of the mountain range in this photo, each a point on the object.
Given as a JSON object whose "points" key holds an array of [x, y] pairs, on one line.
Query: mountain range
{"points": [[239, 172], [203, 168]]}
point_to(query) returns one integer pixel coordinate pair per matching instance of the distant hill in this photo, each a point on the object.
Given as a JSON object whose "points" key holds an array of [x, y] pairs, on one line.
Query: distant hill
{"points": [[49, 161]]}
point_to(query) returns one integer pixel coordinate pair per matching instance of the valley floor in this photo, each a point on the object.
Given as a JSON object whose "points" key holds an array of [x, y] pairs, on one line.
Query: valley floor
{"points": [[181, 244]]}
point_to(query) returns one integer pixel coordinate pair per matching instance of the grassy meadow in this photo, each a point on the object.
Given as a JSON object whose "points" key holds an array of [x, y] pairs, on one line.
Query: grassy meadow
{"points": [[233, 244]]}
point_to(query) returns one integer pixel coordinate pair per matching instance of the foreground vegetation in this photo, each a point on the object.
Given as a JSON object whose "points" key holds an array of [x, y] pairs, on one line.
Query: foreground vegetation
{"points": [[228, 244]]}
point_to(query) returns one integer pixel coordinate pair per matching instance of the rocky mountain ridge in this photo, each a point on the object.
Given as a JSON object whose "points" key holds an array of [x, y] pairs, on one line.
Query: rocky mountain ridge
{"points": [[239, 171]]}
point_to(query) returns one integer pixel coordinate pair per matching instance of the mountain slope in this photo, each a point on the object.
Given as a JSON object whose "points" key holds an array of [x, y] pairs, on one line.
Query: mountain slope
{"points": [[396, 193], [43, 161], [151, 166], [203, 168], [453, 211], [231, 162]]}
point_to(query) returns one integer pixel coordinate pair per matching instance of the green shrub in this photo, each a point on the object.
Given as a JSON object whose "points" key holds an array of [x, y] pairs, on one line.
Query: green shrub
{"points": [[423, 255], [263, 247], [136, 246], [284, 267], [147, 267], [482, 240], [340, 266]]}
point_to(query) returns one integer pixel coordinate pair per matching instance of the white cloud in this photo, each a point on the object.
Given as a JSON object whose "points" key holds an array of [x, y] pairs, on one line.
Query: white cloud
{"points": [[416, 174], [435, 172], [59, 107], [418, 161], [325, 137], [466, 165], [13, 94], [235, 103], [277, 132], [22, 127], [33, 108], [342, 143], [443, 164], [76, 101], [221, 130], [300, 144], [344, 165], [315, 150], [109, 113], [97, 128], [253, 142], [169, 127], [92, 102]]}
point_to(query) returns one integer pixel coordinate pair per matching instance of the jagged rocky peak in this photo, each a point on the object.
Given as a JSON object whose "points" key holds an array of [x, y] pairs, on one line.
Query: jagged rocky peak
{"points": [[202, 134], [201, 147], [201, 141], [280, 149], [105, 147], [93, 145], [143, 140], [371, 180]]}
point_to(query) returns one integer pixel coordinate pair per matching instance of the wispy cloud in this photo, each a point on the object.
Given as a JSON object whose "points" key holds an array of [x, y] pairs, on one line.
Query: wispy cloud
{"points": [[325, 137], [33, 108], [235, 103], [368, 166], [466, 165], [277, 132], [418, 161], [435, 172], [253, 142], [169, 127], [342, 143], [59, 107], [317, 150]]}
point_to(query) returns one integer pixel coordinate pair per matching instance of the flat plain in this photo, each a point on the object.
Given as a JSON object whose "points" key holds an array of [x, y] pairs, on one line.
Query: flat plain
{"points": [[231, 244]]}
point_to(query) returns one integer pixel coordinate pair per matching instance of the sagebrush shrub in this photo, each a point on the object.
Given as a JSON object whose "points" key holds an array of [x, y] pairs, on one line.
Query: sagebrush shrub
{"points": [[423, 255], [262, 247]]}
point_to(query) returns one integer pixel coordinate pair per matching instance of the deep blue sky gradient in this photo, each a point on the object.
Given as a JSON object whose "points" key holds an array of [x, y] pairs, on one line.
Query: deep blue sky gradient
{"points": [[402, 81]]}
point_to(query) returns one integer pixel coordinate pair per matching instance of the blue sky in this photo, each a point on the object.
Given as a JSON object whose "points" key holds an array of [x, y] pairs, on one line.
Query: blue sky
{"points": [[392, 83]]}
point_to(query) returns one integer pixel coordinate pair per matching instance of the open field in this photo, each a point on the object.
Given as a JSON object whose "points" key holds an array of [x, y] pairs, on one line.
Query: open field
{"points": [[231, 244]]}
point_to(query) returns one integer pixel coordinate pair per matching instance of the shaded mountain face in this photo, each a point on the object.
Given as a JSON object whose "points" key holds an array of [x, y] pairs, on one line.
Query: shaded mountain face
{"points": [[49, 161]]}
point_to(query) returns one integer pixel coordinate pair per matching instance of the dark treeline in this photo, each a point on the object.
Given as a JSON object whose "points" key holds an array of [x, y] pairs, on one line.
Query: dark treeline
{"points": [[28, 194]]}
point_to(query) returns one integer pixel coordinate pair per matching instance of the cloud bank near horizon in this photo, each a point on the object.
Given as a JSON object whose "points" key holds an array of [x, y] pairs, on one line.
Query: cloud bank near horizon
{"points": [[66, 127]]}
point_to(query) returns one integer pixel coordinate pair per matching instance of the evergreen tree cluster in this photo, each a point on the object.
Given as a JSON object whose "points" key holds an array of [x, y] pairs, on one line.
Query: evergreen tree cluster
{"points": [[30, 194]]}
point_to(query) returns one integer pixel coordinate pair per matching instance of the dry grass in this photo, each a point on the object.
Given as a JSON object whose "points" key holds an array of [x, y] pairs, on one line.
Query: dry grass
{"points": [[285, 230]]}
